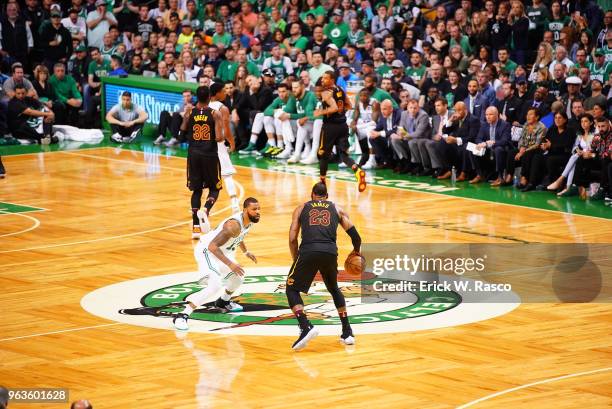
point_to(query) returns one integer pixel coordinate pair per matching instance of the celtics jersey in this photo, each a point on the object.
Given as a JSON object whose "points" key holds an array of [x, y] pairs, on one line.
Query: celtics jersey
{"points": [[416, 73], [601, 73], [257, 61], [278, 67], [229, 248], [557, 25], [365, 111]]}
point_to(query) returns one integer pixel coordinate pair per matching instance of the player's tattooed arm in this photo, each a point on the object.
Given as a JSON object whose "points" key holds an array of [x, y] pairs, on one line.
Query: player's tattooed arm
{"points": [[231, 229], [218, 126], [294, 231]]}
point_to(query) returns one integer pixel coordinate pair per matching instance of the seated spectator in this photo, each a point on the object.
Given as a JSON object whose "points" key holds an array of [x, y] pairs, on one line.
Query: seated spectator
{"points": [[494, 137], [18, 79], [413, 138], [44, 90], [582, 145], [461, 128], [28, 119], [386, 129], [67, 95], [126, 119], [597, 158], [116, 66], [172, 121], [557, 145], [528, 149]]}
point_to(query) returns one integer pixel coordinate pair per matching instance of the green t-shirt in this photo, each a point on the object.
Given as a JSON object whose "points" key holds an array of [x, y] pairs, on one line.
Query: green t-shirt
{"points": [[225, 39], [510, 66], [384, 71], [464, 43], [65, 89], [299, 108], [319, 11], [227, 70], [357, 38], [337, 34], [416, 73], [300, 42], [276, 104], [379, 95], [280, 24], [99, 70]]}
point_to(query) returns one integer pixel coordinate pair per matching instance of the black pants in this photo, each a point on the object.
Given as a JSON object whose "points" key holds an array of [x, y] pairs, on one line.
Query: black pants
{"points": [[583, 175], [169, 122], [494, 159], [25, 131], [533, 166], [93, 112], [555, 164], [382, 150], [125, 130], [333, 134]]}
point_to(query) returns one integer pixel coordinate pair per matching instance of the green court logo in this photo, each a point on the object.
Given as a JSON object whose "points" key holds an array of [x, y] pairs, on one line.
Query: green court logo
{"points": [[152, 301]]}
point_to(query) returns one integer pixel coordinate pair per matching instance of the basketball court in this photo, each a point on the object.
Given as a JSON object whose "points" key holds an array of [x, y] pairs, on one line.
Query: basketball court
{"points": [[93, 240]]}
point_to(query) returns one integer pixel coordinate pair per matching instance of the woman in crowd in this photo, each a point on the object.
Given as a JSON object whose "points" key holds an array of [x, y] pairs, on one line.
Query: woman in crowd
{"points": [[558, 144], [543, 59], [581, 145]]}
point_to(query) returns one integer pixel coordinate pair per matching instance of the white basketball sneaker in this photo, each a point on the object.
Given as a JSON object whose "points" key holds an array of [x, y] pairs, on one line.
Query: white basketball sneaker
{"points": [[309, 161], [305, 336], [180, 322], [347, 337]]}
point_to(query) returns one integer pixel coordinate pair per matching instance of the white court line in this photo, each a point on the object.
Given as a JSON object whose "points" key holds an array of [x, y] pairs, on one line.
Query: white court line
{"points": [[34, 226], [493, 395], [60, 331], [120, 236]]}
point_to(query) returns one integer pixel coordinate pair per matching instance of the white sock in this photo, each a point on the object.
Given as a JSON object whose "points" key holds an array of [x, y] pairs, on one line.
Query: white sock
{"points": [[234, 202], [280, 142], [188, 309], [225, 296], [253, 139], [230, 186], [272, 142]]}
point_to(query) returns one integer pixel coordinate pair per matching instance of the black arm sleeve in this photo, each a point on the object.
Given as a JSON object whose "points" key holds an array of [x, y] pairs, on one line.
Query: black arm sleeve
{"points": [[355, 238]]}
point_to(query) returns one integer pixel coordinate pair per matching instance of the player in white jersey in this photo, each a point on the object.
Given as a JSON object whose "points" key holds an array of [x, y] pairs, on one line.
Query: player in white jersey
{"points": [[364, 120], [215, 254], [217, 92]]}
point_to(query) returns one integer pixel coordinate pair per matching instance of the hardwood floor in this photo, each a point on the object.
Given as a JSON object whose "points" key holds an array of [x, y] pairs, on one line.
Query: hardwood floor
{"points": [[112, 215]]}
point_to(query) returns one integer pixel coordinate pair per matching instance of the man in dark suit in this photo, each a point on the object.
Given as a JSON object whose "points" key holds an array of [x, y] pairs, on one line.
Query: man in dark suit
{"points": [[386, 129], [460, 129], [494, 136], [475, 102], [539, 101], [510, 107]]}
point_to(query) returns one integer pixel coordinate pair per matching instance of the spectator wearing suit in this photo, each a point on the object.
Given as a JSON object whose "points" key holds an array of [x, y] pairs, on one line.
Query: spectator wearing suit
{"points": [[460, 129], [494, 135], [437, 125], [538, 101], [475, 102], [411, 145], [510, 107], [386, 130]]}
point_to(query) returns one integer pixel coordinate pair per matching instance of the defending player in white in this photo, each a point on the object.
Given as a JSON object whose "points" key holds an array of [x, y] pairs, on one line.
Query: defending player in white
{"points": [[215, 254]]}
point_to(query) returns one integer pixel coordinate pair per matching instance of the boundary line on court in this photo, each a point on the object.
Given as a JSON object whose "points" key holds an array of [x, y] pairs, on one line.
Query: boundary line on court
{"points": [[528, 385]]}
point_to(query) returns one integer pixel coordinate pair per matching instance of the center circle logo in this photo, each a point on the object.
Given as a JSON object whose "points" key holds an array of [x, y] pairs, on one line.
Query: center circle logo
{"points": [[152, 301]]}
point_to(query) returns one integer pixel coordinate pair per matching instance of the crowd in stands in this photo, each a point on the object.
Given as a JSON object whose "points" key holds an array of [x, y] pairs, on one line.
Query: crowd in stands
{"points": [[472, 88]]}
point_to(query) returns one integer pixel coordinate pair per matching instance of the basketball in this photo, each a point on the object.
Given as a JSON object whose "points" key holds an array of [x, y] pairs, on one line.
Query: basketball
{"points": [[354, 264]]}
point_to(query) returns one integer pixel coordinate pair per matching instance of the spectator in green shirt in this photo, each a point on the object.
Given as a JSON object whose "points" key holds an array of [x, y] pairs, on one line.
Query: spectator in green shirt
{"points": [[98, 67], [67, 93], [505, 63], [457, 38], [221, 37], [337, 30]]}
